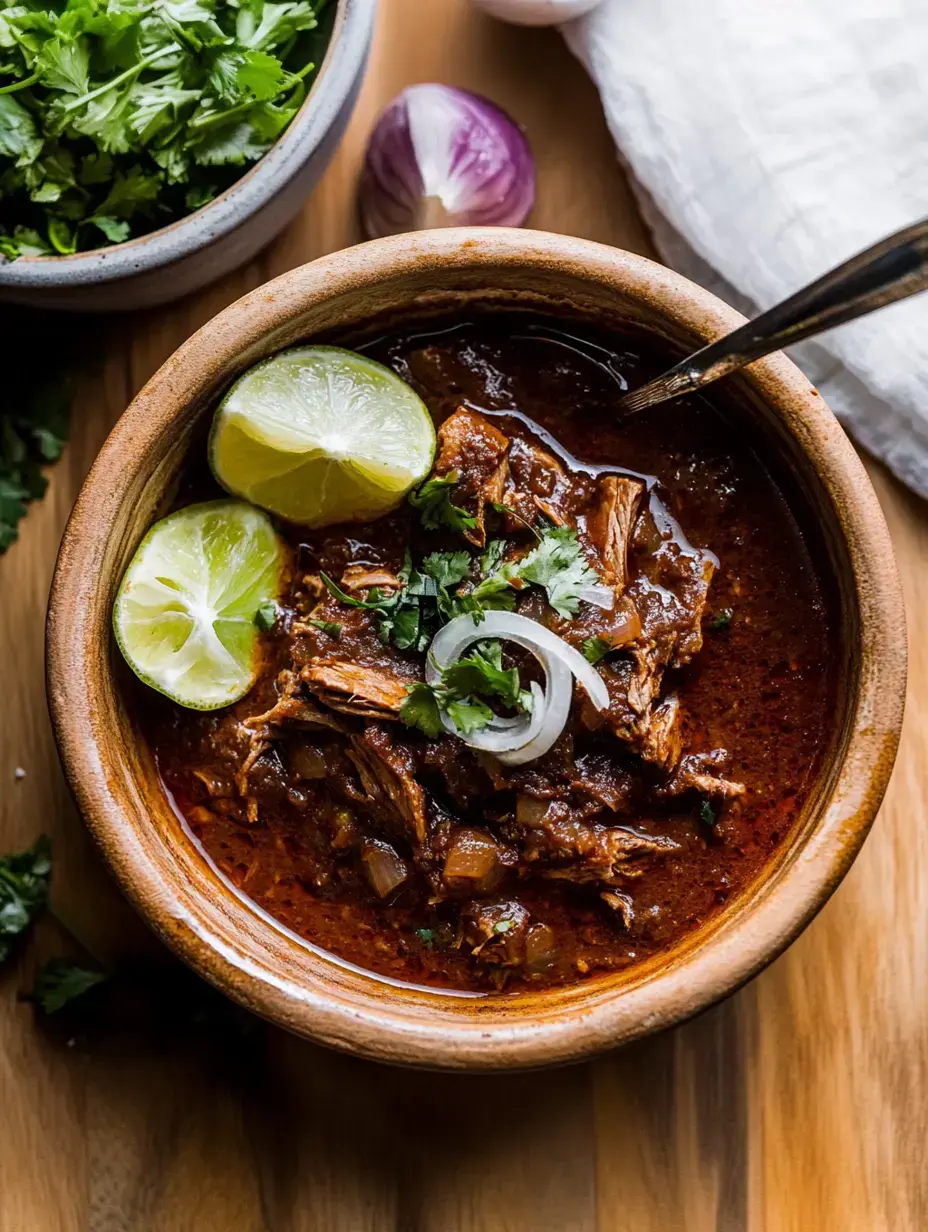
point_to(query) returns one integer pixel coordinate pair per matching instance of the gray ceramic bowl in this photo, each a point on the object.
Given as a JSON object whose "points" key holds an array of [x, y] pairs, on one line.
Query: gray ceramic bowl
{"points": [[188, 254]]}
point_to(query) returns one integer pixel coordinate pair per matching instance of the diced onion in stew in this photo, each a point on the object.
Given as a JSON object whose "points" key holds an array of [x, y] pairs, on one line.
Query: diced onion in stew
{"points": [[383, 867]]}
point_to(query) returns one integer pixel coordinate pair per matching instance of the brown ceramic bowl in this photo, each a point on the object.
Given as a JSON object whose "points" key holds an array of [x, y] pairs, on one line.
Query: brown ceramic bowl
{"points": [[227, 940]]}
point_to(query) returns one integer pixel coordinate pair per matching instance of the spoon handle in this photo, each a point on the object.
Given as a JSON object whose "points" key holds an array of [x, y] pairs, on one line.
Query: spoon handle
{"points": [[894, 269]]}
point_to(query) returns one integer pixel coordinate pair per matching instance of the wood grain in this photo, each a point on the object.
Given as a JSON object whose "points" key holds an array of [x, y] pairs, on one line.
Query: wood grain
{"points": [[800, 1104]]}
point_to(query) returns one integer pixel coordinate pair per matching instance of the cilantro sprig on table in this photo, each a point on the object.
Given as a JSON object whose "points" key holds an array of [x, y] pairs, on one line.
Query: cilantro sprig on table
{"points": [[24, 881], [33, 428], [117, 116]]}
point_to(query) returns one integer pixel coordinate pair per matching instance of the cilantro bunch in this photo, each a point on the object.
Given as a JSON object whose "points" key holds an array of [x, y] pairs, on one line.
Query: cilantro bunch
{"points": [[119, 116]]}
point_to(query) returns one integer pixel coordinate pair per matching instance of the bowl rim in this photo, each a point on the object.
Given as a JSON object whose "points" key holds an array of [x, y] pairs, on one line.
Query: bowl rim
{"points": [[545, 1030], [342, 63]]}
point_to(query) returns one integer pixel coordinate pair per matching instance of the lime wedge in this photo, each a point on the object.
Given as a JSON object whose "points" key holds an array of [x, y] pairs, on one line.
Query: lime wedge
{"points": [[184, 615], [320, 435]]}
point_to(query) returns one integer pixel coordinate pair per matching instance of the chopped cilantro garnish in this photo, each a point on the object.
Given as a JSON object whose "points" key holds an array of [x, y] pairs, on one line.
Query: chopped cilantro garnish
{"points": [[559, 565], [332, 627], [426, 935], [421, 709], [429, 596], [481, 672], [596, 648], [707, 814], [462, 690], [446, 568], [24, 878], [433, 500], [492, 558], [502, 926], [469, 715], [266, 616], [722, 620]]}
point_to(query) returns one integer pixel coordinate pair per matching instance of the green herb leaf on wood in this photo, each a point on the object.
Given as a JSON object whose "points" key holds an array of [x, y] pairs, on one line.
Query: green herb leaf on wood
{"points": [[24, 878], [60, 982]]}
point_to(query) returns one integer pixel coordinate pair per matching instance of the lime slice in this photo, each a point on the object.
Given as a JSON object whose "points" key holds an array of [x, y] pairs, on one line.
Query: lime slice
{"points": [[321, 435], [184, 616]]}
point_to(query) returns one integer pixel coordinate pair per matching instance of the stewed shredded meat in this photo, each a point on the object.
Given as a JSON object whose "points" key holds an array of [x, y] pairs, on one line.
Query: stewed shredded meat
{"points": [[426, 859]]}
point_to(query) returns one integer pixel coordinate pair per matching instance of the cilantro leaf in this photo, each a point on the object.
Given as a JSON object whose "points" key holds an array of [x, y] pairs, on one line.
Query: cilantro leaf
{"points": [[375, 601], [64, 64], [59, 982], [261, 76], [481, 672], [19, 136], [461, 690], [495, 591], [559, 565], [492, 558], [596, 648], [420, 709], [447, 568], [114, 230], [24, 242], [24, 878], [405, 627], [332, 627], [266, 616], [707, 814], [33, 427], [433, 500], [130, 192], [261, 25], [469, 715], [721, 621]]}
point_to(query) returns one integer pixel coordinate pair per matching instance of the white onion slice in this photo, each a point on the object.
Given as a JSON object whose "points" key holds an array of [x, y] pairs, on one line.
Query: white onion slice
{"points": [[516, 741], [599, 596], [500, 740]]}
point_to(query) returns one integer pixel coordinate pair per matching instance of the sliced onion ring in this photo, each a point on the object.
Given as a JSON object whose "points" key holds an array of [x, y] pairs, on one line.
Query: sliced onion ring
{"points": [[599, 596], [521, 740]]}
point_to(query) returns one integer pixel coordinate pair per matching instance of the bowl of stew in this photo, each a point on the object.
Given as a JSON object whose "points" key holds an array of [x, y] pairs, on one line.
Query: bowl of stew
{"points": [[406, 894]]}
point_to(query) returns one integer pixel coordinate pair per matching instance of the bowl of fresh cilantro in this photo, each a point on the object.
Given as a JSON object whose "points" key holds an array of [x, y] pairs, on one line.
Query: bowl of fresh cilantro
{"points": [[149, 146]]}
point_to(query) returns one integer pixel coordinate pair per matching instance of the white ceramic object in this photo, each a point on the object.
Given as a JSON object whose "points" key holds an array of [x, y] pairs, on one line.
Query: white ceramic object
{"points": [[200, 248], [536, 12]]}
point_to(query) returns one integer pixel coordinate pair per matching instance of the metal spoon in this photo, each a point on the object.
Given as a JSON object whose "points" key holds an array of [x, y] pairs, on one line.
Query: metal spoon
{"points": [[894, 269]]}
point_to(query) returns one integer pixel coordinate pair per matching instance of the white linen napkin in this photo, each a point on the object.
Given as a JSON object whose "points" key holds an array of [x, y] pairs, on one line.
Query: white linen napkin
{"points": [[770, 140]]}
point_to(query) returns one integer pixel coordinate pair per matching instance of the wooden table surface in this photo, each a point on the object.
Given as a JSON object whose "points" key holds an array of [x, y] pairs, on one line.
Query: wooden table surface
{"points": [[799, 1104]]}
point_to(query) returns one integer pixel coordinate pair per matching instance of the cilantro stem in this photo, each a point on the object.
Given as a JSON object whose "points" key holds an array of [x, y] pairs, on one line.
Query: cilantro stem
{"points": [[298, 76], [117, 81], [20, 85], [514, 513], [217, 117]]}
